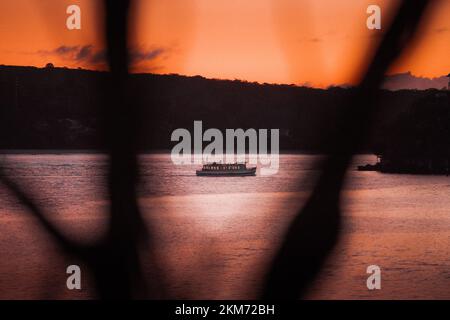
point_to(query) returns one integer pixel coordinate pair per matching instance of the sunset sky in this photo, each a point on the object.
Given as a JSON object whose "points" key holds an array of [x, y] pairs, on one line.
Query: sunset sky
{"points": [[313, 42]]}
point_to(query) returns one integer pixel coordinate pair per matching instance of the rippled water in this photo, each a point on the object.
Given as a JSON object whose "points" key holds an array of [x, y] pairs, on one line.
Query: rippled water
{"points": [[216, 235]]}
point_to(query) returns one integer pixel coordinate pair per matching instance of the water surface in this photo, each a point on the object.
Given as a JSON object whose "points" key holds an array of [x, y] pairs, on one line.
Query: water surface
{"points": [[216, 235]]}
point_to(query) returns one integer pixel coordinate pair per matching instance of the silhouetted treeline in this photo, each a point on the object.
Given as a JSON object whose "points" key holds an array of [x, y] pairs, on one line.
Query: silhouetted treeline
{"points": [[422, 130], [57, 108], [419, 138]]}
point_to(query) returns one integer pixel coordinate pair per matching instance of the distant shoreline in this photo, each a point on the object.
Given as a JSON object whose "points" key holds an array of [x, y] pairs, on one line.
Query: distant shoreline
{"points": [[95, 151], [67, 151]]}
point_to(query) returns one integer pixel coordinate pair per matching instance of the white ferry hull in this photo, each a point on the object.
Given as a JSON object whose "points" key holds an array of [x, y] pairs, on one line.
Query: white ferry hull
{"points": [[227, 173]]}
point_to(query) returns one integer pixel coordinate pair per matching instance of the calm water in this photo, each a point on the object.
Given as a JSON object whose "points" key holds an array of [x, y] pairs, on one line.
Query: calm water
{"points": [[215, 236]]}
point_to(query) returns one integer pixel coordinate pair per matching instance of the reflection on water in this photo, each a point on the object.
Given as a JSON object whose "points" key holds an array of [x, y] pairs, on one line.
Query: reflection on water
{"points": [[215, 235]]}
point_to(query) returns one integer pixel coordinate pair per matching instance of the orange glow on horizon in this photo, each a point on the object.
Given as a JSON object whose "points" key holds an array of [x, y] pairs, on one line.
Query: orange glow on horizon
{"points": [[313, 42]]}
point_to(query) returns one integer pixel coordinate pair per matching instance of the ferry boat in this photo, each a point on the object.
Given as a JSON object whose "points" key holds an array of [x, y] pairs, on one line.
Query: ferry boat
{"points": [[220, 169]]}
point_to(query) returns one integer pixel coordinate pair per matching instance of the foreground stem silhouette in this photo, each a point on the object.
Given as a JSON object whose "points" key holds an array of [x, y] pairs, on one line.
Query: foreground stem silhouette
{"points": [[114, 261], [315, 230]]}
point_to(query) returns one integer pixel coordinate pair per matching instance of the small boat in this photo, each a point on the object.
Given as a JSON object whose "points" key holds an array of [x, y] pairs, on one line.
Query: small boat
{"points": [[220, 169]]}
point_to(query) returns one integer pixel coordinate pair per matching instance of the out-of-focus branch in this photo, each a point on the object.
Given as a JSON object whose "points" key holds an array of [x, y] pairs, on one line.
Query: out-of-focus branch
{"points": [[27, 201], [114, 261], [316, 228]]}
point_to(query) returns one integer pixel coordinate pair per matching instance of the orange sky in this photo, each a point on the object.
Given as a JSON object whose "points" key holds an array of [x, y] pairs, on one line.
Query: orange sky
{"points": [[315, 42]]}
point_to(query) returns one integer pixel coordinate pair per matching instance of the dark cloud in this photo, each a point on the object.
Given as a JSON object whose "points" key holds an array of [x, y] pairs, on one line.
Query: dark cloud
{"points": [[73, 53], [98, 57], [89, 55], [137, 56], [64, 50], [84, 53]]}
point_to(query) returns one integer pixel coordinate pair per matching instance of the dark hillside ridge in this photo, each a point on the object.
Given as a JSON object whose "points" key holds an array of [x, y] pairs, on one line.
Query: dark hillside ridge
{"points": [[57, 108]]}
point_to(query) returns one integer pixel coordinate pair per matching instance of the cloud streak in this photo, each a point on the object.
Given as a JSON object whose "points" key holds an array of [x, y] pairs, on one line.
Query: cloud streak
{"points": [[89, 55]]}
